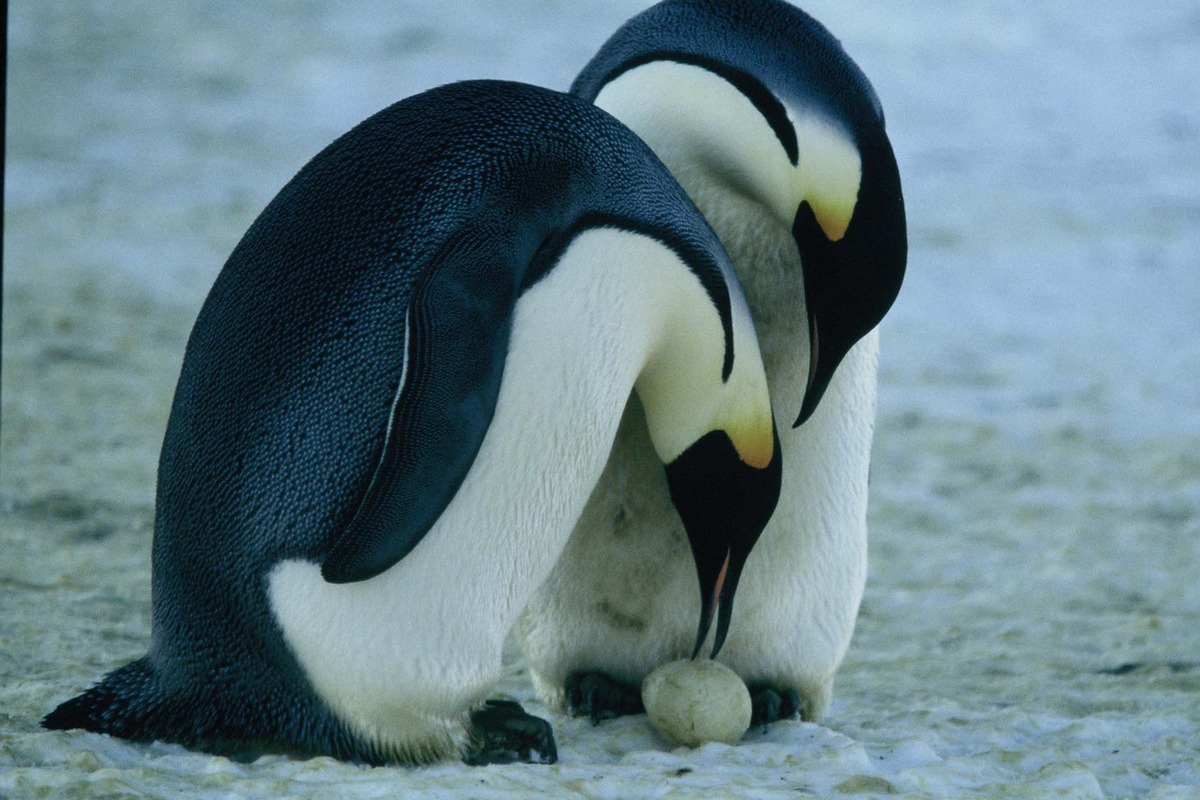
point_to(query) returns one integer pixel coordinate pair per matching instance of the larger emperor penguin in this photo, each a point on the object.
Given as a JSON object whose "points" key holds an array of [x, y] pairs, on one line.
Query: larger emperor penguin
{"points": [[779, 138], [393, 407]]}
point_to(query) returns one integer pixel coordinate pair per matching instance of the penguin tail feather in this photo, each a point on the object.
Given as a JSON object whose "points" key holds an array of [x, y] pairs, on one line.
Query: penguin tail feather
{"points": [[124, 704], [131, 703]]}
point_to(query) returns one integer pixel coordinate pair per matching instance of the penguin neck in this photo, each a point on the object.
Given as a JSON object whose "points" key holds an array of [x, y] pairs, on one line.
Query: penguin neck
{"points": [[682, 383], [694, 118], [768, 265]]}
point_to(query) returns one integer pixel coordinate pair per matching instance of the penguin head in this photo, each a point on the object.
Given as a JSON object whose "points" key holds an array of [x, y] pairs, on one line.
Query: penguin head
{"points": [[708, 413], [756, 97]]}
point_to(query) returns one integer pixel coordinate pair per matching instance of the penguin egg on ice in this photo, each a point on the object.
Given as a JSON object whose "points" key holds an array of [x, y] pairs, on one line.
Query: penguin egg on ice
{"points": [[694, 702]]}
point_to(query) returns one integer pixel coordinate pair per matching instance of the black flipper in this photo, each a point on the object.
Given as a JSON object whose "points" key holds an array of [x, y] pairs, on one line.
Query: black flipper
{"points": [[458, 331]]}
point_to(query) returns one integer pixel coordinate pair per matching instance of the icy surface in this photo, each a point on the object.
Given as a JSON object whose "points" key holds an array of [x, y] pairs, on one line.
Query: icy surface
{"points": [[1032, 620]]}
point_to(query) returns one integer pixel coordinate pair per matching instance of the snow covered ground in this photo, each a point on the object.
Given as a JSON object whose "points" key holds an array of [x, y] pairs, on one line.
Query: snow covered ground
{"points": [[1032, 621]]}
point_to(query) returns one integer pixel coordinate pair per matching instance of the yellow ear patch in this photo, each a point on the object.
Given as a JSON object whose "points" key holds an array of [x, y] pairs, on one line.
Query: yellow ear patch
{"points": [[833, 218], [754, 443], [830, 171]]}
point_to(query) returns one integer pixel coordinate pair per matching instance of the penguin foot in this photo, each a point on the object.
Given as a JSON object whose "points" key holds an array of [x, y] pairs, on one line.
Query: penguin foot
{"points": [[503, 733], [599, 697], [771, 705]]}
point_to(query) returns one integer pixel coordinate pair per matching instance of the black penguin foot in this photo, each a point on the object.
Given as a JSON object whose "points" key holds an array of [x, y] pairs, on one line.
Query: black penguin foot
{"points": [[599, 697], [771, 705], [503, 733]]}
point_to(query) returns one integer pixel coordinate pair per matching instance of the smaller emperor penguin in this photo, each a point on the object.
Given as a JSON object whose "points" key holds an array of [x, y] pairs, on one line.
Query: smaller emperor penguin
{"points": [[393, 407], [779, 138]]}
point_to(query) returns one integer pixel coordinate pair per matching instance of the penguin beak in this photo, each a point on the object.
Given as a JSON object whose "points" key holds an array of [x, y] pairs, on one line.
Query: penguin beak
{"points": [[821, 257], [724, 503], [812, 390], [823, 361], [717, 595]]}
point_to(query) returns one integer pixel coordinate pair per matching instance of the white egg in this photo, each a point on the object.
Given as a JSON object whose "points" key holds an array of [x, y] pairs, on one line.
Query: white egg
{"points": [[694, 702]]}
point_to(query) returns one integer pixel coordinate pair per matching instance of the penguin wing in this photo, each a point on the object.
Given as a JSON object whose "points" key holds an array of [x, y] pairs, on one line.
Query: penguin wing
{"points": [[457, 332]]}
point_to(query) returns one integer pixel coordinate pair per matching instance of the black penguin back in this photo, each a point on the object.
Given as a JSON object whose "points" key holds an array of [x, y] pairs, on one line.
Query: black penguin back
{"points": [[293, 365]]}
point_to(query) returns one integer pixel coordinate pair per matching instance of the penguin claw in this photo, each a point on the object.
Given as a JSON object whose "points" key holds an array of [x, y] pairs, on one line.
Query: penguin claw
{"points": [[772, 705], [599, 697], [504, 733]]}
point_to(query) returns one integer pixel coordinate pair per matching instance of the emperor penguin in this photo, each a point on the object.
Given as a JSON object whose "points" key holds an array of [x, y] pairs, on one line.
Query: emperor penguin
{"points": [[393, 407], [779, 138]]}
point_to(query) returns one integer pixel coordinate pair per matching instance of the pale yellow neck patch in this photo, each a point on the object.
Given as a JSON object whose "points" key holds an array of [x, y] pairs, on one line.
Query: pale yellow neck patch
{"points": [[692, 117], [753, 440], [830, 172]]}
